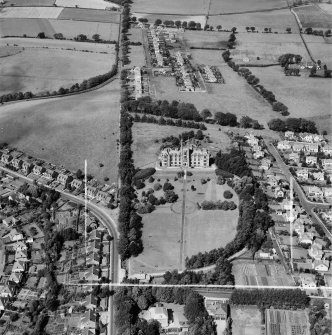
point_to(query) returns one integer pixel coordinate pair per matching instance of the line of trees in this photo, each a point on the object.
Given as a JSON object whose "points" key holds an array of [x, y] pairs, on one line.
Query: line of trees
{"points": [[191, 25], [277, 298], [168, 122], [297, 125]]}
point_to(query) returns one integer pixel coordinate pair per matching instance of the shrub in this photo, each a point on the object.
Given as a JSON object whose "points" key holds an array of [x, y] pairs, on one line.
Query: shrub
{"points": [[157, 186], [167, 187], [139, 184], [151, 179], [203, 181], [228, 194], [225, 174], [144, 173]]}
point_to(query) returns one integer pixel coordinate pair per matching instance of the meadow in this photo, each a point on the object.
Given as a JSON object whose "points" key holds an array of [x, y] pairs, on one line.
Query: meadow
{"points": [[314, 17], [235, 96], [240, 6], [304, 96], [66, 131], [29, 3], [94, 4], [184, 7], [203, 230], [69, 28], [278, 20], [320, 49], [267, 47], [56, 66]]}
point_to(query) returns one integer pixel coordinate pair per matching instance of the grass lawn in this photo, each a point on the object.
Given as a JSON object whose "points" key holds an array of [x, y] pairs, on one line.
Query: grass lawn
{"points": [[305, 97], [203, 230], [246, 320], [185, 7], [56, 67], [314, 17], [235, 96], [278, 20], [319, 49], [238, 6], [66, 131], [268, 47]]}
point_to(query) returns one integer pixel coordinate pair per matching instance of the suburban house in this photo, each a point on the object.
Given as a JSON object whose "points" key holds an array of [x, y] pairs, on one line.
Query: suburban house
{"points": [[327, 164], [297, 147], [258, 154], [38, 170], [284, 145], [311, 160], [50, 174], [6, 158], [327, 192], [321, 265], [306, 238], [315, 251], [76, 183], [90, 302], [278, 192], [315, 191], [88, 321], [12, 236], [216, 308], [16, 277], [312, 147], [64, 178], [21, 255], [294, 157], [318, 176], [19, 266], [158, 313], [327, 149], [302, 173], [17, 163], [91, 192], [265, 164], [313, 138], [289, 135], [308, 281], [103, 197], [27, 166]]}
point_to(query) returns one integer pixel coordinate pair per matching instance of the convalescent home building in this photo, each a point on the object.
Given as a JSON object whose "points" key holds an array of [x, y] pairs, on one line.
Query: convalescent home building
{"points": [[190, 156]]}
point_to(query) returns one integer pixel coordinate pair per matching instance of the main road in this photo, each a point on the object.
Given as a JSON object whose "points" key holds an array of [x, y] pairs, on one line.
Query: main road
{"points": [[309, 206], [103, 216]]}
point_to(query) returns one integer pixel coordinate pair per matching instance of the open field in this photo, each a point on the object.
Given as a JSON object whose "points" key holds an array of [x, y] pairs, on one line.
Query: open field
{"points": [[9, 51], [94, 4], [235, 96], [246, 320], [146, 149], [268, 47], [326, 7], [163, 17], [238, 6], [94, 15], [29, 3], [162, 228], [69, 29], [304, 96], [66, 131], [185, 7], [312, 16], [30, 12], [204, 39], [278, 20], [55, 67], [319, 49]]}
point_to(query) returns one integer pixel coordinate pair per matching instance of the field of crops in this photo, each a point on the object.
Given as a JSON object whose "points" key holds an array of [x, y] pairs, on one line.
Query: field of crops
{"points": [[319, 49], [94, 15], [28, 3], [278, 20], [30, 12], [314, 17], [240, 6], [184, 7], [94, 4]]}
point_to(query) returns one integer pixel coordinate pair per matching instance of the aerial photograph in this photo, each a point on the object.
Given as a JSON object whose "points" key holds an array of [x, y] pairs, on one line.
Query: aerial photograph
{"points": [[165, 167]]}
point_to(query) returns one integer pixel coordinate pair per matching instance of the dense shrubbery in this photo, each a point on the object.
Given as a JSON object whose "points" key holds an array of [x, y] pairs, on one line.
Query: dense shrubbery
{"points": [[169, 122], [283, 299], [228, 194], [297, 125], [144, 173], [233, 162], [223, 205]]}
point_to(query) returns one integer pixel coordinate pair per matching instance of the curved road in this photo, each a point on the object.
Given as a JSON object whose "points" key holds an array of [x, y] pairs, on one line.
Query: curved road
{"points": [[103, 216]]}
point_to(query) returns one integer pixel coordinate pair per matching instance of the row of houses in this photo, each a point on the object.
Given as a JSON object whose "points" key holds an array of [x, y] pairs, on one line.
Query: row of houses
{"points": [[304, 137]]}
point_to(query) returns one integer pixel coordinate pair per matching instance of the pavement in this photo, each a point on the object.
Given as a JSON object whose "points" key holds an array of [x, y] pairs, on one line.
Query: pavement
{"points": [[103, 215], [308, 205]]}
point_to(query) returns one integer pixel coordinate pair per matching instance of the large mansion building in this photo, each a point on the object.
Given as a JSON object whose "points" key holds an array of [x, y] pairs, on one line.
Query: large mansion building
{"points": [[188, 156]]}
